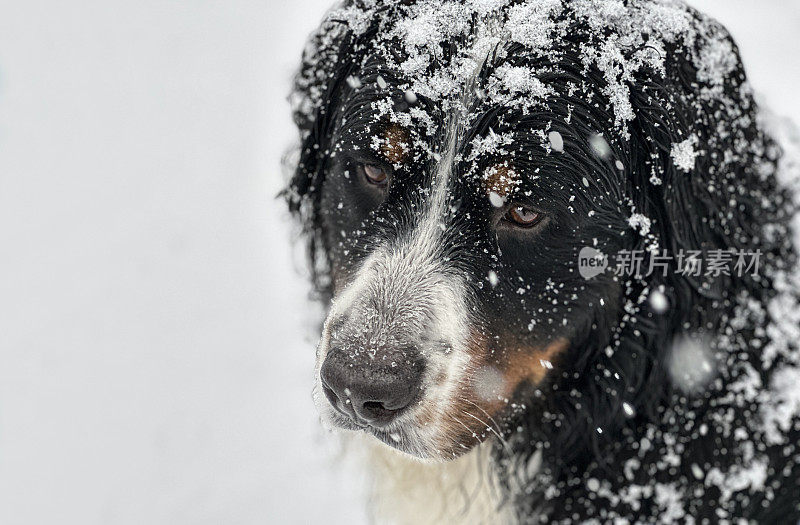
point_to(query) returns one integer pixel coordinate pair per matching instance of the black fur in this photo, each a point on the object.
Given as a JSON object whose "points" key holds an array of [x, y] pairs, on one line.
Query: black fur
{"points": [[618, 351]]}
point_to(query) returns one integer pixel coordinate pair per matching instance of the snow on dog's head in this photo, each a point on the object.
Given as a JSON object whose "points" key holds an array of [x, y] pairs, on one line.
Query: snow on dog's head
{"points": [[456, 158]]}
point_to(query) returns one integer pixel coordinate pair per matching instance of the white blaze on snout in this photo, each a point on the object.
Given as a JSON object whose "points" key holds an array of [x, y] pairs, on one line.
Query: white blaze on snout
{"points": [[405, 293]]}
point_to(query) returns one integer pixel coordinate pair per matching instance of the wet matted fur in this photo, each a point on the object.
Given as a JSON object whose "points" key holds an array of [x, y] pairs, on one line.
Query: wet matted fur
{"points": [[626, 126]]}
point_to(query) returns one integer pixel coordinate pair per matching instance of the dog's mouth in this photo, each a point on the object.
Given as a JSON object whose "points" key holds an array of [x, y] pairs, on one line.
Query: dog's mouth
{"points": [[401, 435], [415, 438], [379, 414]]}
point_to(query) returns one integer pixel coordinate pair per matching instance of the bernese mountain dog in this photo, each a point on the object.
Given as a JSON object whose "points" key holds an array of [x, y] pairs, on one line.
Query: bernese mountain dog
{"points": [[556, 243]]}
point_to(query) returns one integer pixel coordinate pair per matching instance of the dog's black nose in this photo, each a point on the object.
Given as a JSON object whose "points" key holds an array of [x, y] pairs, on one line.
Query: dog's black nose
{"points": [[371, 389]]}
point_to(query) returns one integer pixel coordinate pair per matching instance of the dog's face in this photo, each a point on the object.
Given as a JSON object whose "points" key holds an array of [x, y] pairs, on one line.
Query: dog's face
{"points": [[456, 161], [454, 259]]}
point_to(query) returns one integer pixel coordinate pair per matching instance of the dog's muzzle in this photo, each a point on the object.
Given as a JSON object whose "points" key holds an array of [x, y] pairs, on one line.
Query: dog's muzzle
{"points": [[394, 348]]}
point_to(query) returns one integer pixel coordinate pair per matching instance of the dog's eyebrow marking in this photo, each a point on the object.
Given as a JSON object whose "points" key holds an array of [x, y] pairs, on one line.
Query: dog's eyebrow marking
{"points": [[395, 144], [500, 179]]}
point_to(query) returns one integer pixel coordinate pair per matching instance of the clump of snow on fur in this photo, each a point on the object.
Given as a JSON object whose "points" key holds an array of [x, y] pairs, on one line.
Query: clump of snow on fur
{"points": [[491, 143], [532, 24], [354, 82], [640, 223], [517, 86], [738, 478], [684, 154], [783, 407]]}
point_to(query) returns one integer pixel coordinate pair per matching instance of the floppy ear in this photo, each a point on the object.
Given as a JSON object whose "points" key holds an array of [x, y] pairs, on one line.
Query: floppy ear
{"points": [[677, 196], [330, 56], [324, 68], [688, 205], [697, 140]]}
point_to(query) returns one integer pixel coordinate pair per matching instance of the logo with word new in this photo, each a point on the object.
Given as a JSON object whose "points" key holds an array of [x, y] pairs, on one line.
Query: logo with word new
{"points": [[591, 262]]}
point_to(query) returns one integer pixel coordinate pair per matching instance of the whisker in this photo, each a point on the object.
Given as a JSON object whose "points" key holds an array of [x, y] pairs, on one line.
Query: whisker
{"points": [[472, 433], [476, 405], [497, 429], [503, 440]]}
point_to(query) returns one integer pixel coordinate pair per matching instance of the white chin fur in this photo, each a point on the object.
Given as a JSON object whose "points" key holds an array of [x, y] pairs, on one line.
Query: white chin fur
{"points": [[403, 490]]}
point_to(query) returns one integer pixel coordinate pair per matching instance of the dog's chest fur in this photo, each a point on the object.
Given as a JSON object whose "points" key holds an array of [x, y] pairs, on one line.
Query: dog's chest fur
{"points": [[403, 490]]}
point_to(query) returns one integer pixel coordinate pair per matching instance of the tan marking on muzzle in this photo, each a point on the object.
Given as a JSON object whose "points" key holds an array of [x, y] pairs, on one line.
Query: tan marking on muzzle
{"points": [[527, 365], [471, 418]]}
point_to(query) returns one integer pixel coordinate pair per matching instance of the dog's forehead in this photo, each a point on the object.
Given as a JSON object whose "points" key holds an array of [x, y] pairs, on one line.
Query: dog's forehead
{"points": [[471, 111], [487, 169], [432, 50], [415, 74]]}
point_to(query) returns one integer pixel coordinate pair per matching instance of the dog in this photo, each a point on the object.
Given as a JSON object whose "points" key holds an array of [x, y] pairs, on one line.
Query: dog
{"points": [[517, 214]]}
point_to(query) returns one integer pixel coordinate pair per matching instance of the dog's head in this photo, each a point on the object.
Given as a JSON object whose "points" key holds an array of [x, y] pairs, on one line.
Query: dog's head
{"points": [[458, 159]]}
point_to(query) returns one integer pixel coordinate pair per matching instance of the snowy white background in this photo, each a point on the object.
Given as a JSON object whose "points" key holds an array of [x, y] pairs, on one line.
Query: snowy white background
{"points": [[156, 344]]}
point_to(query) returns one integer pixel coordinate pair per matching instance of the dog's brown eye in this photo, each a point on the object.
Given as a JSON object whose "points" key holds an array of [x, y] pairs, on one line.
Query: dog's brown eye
{"points": [[523, 217], [375, 174]]}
